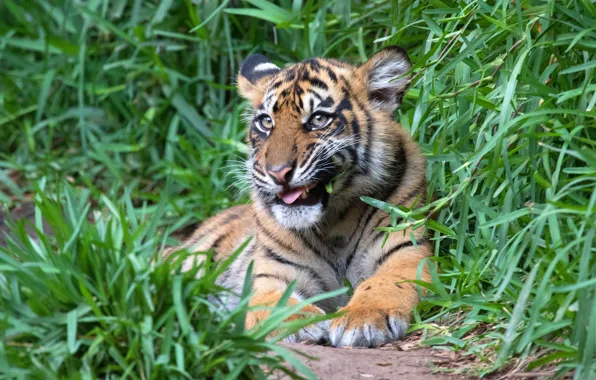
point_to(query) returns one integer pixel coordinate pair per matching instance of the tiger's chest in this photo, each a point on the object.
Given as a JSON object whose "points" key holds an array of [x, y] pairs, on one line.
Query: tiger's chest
{"points": [[345, 254]]}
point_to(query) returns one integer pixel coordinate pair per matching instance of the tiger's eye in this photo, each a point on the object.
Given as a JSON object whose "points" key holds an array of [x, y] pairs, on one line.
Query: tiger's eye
{"points": [[266, 122], [319, 121]]}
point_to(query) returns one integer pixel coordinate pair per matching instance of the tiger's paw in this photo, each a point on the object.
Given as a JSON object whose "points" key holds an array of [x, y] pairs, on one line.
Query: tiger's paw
{"points": [[314, 333], [367, 327], [317, 333]]}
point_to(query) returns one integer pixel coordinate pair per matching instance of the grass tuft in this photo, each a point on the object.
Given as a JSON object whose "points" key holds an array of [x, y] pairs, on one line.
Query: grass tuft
{"points": [[96, 300]]}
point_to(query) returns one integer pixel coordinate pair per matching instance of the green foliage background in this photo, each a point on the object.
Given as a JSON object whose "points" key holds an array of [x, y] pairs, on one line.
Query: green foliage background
{"points": [[133, 104]]}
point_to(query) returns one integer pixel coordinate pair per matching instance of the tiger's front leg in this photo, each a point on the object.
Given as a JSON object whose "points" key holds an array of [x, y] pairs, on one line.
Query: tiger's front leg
{"points": [[381, 307], [269, 284], [316, 333]]}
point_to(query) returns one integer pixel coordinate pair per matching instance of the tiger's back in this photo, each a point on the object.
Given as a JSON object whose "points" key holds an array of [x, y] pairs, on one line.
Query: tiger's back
{"points": [[322, 135]]}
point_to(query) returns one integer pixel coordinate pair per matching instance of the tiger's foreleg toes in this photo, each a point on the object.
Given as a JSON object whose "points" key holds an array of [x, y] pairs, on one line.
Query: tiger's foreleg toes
{"points": [[317, 333], [366, 327], [313, 333]]}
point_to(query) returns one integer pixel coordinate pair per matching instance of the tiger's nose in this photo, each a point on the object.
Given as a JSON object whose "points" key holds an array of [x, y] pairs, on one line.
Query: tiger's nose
{"points": [[281, 174]]}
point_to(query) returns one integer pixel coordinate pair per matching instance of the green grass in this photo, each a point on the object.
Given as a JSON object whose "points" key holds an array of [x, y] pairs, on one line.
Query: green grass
{"points": [[133, 104], [90, 302]]}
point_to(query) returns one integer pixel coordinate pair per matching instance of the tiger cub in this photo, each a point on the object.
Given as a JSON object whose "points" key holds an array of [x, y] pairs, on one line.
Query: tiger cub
{"points": [[321, 135]]}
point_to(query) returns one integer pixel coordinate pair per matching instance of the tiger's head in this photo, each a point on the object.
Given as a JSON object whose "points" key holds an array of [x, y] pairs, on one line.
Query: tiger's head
{"points": [[321, 132]]}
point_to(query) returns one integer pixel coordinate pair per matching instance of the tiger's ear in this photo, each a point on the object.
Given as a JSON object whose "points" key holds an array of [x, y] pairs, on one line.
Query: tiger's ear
{"points": [[384, 77], [253, 75]]}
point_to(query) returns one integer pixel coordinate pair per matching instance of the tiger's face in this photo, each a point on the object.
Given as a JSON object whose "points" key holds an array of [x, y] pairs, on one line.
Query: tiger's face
{"points": [[318, 131]]}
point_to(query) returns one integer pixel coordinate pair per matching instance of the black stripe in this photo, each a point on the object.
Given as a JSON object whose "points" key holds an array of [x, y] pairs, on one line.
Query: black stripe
{"points": [[344, 213], [261, 187], [253, 76], [369, 136], [342, 157], [226, 274], [310, 153], [319, 83], [349, 179], [379, 235], [313, 162], [418, 191], [322, 147], [328, 102], [337, 63], [353, 154], [331, 74], [398, 169], [361, 162], [290, 75], [275, 85], [270, 275], [381, 260], [216, 244], [274, 256], [258, 170], [338, 241], [307, 243], [268, 98], [353, 253], [356, 127], [229, 218], [260, 182], [411, 194], [316, 95], [345, 104], [313, 63], [304, 240], [338, 130], [282, 260], [305, 75], [307, 152], [275, 239]]}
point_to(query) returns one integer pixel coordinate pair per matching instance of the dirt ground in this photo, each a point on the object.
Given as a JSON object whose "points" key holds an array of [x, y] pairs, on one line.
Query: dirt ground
{"points": [[360, 364]]}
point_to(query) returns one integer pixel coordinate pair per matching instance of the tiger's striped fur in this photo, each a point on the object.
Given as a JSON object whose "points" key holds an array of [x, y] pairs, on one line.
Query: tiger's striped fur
{"points": [[324, 238]]}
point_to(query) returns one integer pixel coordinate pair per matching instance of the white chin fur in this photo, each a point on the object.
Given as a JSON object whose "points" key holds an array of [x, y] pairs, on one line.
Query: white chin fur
{"points": [[297, 217]]}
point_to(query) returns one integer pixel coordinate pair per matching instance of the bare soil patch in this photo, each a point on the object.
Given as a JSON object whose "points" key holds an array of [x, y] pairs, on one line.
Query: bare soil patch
{"points": [[330, 363]]}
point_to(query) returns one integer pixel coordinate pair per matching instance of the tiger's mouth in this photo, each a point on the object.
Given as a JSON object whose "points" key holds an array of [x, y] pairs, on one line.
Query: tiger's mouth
{"points": [[308, 195]]}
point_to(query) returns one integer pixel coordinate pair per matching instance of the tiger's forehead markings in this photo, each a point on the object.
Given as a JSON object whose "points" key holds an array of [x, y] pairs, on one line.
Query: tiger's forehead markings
{"points": [[303, 88]]}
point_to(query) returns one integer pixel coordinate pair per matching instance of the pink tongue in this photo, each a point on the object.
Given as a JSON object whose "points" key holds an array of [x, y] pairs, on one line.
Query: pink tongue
{"points": [[290, 196]]}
